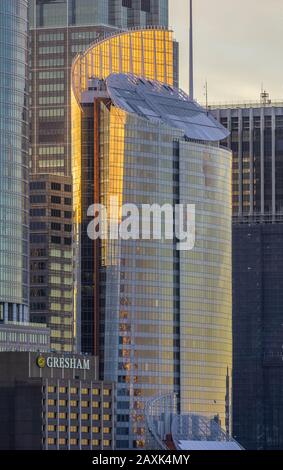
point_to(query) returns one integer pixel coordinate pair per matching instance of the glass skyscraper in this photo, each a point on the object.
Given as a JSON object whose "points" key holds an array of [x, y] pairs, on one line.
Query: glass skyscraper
{"points": [[159, 318], [14, 146]]}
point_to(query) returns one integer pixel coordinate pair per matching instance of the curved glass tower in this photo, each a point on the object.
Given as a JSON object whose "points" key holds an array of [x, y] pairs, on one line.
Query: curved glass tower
{"points": [[13, 161], [159, 318]]}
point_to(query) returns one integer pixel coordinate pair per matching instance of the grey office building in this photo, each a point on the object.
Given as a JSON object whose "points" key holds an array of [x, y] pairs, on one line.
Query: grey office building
{"points": [[257, 143], [13, 161]]}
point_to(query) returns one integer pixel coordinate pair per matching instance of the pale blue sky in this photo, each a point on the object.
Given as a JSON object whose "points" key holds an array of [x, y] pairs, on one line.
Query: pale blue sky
{"points": [[238, 46]]}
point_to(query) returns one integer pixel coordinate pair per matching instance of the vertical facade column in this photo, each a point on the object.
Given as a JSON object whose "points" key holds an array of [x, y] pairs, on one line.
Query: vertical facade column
{"points": [[262, 161], [5, 312], [273, 163], [251, 139], [240, 160], [14, 312]]}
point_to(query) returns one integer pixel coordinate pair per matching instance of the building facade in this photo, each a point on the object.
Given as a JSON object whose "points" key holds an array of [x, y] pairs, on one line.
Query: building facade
{"points": [[59, 30], [51, 278], [257, 143], [15, 336], [53, 402], [256, 139], [159, 318], [14, 280]]}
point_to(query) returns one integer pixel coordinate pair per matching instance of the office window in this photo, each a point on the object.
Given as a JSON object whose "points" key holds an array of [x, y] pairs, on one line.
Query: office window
{"points": [[35, 185], [55, 213], [55, 200], [56, 186], [38, 199], [37, 212]]}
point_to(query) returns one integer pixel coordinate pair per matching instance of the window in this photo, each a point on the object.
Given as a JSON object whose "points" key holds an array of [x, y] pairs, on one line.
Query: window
{"points": [[73, 442], [37, 212], [55, 240], [55, 200], [55, 226], [106, 430], [56, 186], [68, 228], [37, 185], [95, 391], [51, 415], [95, 404], [51, 427], [67, 241], [67, 188], [51, 402], [62, 415], [51, 389], [38, 199], [51, 441], [68, 201], [127, 3], [95, 442], [55, 213], [68, 214]]}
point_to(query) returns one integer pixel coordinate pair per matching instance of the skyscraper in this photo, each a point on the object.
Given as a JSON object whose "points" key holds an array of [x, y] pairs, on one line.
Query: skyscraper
{"points": [[257, 142], [14, 146], [159, 318], [58, 31]]}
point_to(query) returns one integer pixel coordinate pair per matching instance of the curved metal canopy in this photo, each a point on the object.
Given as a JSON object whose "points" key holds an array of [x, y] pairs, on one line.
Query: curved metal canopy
{"points": [[158, 102]]}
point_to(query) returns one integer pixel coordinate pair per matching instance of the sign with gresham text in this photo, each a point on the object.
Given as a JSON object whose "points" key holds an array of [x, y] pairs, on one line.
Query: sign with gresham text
{"points": [[54, 362]]}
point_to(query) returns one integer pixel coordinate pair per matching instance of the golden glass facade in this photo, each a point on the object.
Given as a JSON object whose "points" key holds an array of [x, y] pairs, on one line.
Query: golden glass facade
{"points": [[165, 315]]}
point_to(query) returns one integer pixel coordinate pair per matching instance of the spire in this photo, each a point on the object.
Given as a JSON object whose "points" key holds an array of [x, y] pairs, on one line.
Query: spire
{"points": [[191, 54]]}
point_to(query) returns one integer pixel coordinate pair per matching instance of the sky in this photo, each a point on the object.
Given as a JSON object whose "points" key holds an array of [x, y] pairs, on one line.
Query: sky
{"points": [[238, 48]]}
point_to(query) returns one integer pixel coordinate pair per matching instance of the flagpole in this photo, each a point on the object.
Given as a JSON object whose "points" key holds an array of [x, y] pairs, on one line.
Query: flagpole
{"points": [[191, 53]]}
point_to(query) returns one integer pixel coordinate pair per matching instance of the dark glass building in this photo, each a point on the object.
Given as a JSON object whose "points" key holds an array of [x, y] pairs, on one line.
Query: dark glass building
{"points": [[257, 143], [14, 146]]}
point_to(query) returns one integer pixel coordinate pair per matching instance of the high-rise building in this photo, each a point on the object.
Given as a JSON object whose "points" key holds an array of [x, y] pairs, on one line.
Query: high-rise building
{"points": [[159, 318], [51, 278], [58, 31], [54, 402], [14, 282], [257, 142]]}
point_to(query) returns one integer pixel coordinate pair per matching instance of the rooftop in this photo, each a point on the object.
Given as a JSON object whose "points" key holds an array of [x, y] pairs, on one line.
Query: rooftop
{"points": [[159, 102]]}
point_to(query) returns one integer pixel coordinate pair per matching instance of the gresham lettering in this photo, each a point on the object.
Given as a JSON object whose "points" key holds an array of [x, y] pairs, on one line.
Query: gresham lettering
{"points": [[67, 363]]}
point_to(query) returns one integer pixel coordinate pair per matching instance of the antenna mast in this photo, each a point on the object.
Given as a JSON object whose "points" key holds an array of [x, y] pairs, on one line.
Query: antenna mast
{"points": [[191, 52]]}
